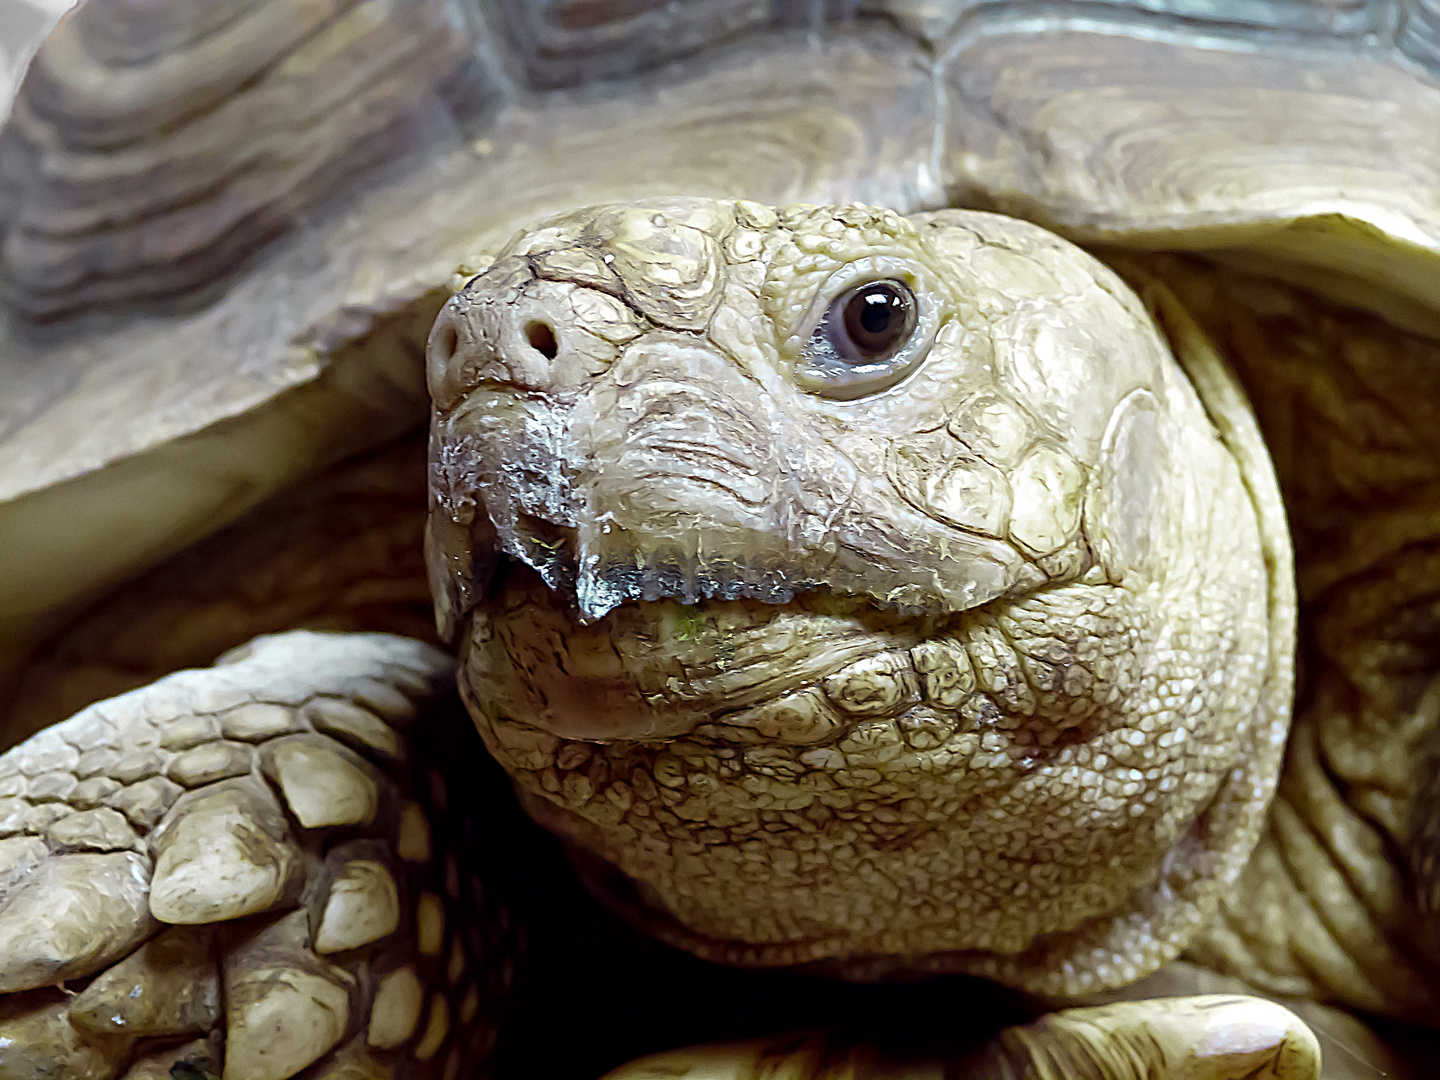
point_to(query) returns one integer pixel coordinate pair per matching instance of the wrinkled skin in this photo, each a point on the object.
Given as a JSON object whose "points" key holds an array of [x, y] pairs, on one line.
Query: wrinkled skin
{"points": [[1296, 133], [980, 663], [1338, 902]]}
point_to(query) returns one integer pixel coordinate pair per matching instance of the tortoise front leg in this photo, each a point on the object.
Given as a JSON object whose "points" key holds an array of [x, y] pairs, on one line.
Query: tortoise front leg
{"points": [[249, 871], [1212, 1037]]}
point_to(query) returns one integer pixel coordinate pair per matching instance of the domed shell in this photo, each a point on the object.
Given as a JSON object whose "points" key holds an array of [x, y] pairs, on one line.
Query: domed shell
{"points": [[225, 225]]}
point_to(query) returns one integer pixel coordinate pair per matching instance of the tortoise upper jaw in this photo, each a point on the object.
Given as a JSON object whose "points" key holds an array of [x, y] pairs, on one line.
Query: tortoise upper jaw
{"points": [[673, 478]]}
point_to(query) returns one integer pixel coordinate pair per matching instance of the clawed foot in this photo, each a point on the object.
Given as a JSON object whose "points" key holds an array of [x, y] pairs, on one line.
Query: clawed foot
{"points": [[1215, 1037], [246, 872]]}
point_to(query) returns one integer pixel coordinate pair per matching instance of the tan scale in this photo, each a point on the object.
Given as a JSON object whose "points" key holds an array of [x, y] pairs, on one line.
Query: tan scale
{"points": [[169, 986], [395, 1010], [363, 906]]}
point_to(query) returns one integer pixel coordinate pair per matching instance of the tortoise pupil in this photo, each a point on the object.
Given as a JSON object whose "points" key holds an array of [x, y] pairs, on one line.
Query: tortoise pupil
{"points": [[877, 317]]}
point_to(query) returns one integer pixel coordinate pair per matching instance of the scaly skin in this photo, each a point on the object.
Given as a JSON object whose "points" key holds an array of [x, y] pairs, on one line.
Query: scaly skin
{"points": [[250, 870], [1337, 903], [1010, 694], [1192, 1038]]}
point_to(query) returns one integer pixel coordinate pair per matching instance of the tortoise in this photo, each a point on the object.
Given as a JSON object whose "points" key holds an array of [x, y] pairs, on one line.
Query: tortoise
{"points": [[859, 577]]}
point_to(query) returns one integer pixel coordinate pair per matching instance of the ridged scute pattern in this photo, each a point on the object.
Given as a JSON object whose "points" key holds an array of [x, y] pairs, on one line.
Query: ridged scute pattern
{"points": [[152, 147], [562, 42], [126, 32], [940, 20], [1419, 36]]}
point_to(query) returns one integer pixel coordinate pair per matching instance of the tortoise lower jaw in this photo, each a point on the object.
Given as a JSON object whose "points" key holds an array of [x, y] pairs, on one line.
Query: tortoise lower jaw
{"points": [[531, 655], [636, 904], [656, 669]]}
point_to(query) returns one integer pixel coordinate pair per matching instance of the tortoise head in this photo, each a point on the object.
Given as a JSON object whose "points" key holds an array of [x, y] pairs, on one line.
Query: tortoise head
{"points": [[858, 589]]}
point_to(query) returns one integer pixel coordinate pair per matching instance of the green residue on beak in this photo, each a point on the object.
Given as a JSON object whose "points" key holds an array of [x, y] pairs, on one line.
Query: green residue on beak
{"points": [[689, 623]]}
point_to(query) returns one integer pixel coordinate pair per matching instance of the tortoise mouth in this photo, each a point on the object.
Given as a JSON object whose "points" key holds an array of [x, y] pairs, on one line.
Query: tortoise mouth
{"points": [[624, 571], [592, 594]]}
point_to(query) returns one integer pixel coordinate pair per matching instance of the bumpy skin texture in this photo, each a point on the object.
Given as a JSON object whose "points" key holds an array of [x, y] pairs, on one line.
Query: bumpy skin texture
{"points": [[393, 961], [1339, 899], [235, 872], [986, 670]]}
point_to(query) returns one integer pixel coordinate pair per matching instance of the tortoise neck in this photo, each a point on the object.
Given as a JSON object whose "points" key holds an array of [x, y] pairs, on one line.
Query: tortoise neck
{"points": [[1338, 900]]}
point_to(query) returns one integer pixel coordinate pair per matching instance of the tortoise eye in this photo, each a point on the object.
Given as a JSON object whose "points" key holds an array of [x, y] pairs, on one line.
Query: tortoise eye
{"points": [[866, 342], [871, 322]]}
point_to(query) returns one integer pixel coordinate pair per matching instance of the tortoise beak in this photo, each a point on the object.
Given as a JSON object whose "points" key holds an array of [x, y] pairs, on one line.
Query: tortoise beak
{"points": [[497, 488], [664, 486]]}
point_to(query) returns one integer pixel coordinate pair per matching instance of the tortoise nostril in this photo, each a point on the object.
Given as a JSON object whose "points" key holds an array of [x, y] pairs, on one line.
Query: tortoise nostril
{"points": [[446, 342], [542, 339]]}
